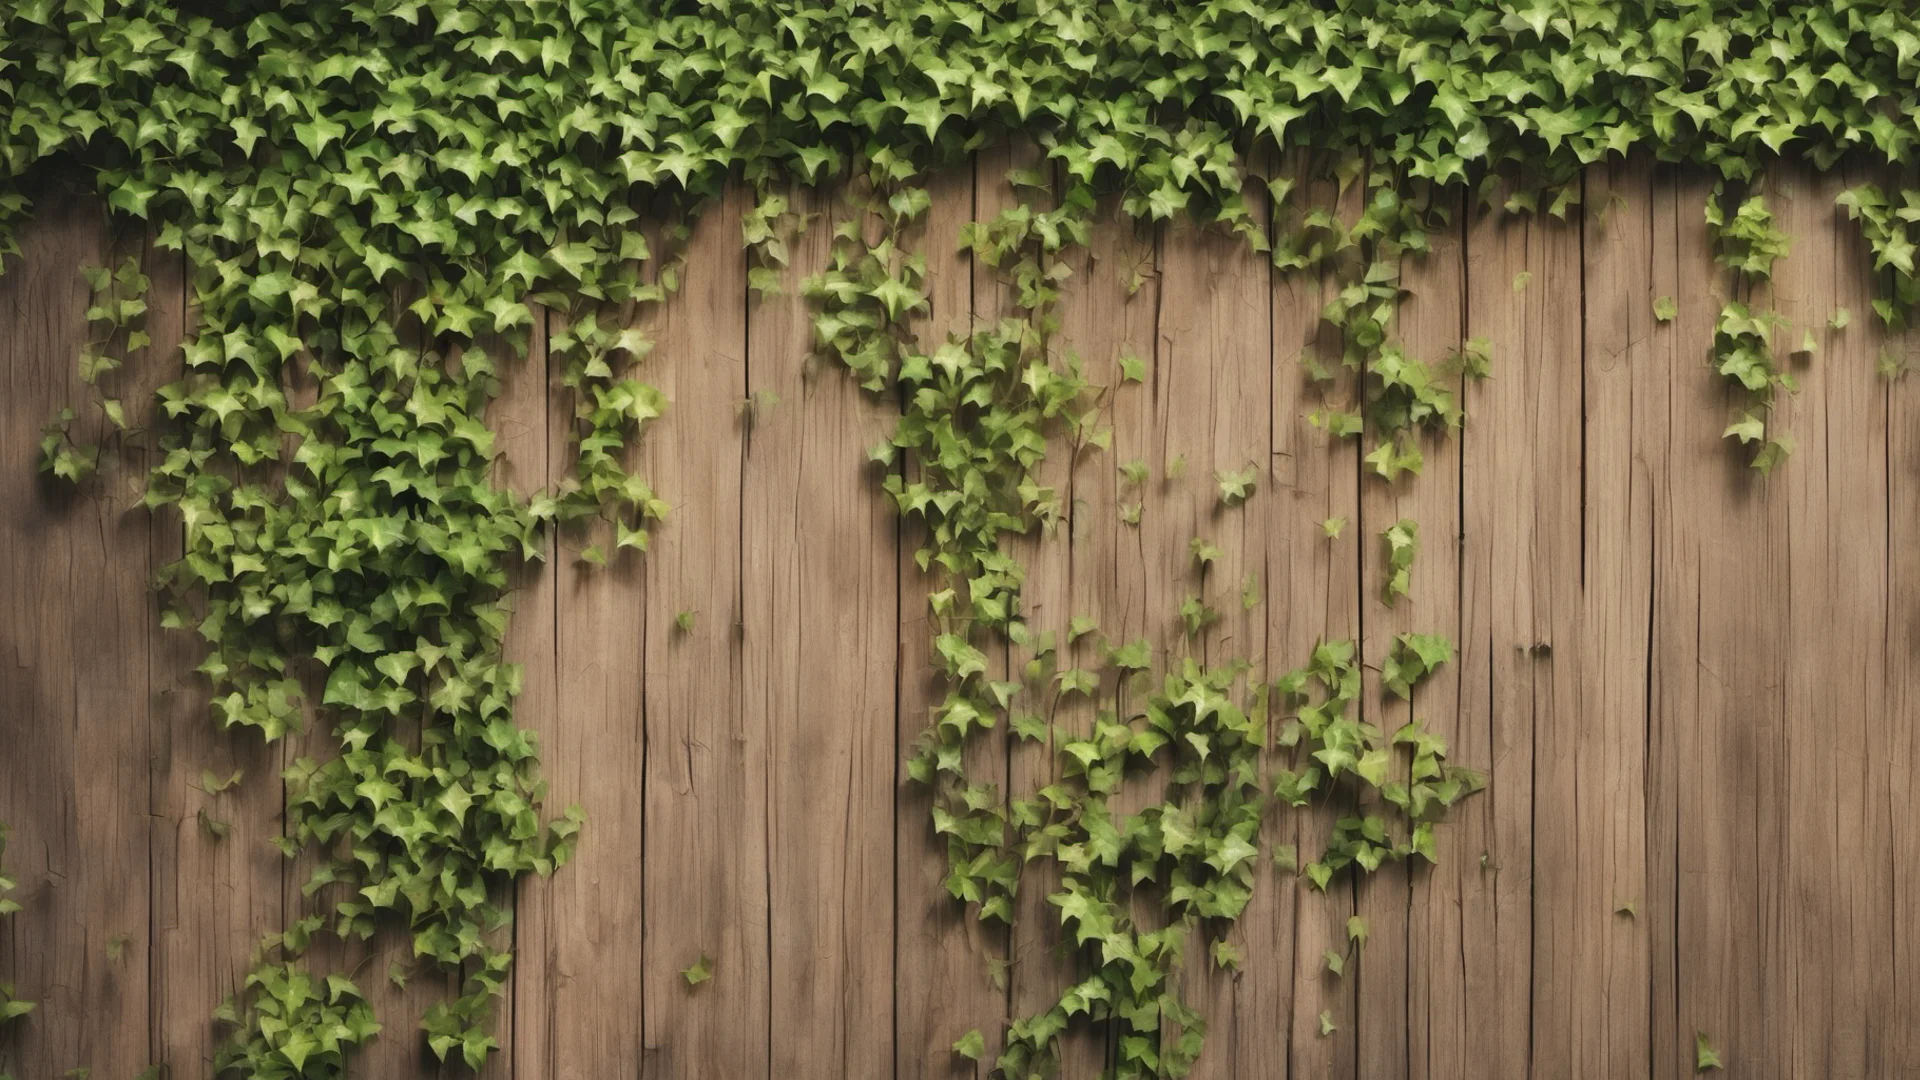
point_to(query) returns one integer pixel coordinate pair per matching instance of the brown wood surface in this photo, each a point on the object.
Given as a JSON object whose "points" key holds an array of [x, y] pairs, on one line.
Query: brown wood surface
{"points": [[1695, 690]]}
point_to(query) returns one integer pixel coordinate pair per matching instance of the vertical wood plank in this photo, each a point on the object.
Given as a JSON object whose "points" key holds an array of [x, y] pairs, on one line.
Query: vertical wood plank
{"points": [[1212, 384], [1397, 901], [1838, 885], [706, 757], [821, 599], [1727, 722], [1519, 655], [1103, 318], [943, 986], [520, 415], [74, 642], [1607, 991], [1902, 652], [1313, 596], [580, 1000], [212, 898]]}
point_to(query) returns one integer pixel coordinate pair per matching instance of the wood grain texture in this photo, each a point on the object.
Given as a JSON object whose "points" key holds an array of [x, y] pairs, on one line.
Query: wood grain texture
{"points": [[1314, 591], [820, 603], [1211, 382], [1410, 921], [74, 640], [1519, 651], [212, 898], [706, 755], [1719, 733], [1104, 317], [943, 987], [1625, 430]]}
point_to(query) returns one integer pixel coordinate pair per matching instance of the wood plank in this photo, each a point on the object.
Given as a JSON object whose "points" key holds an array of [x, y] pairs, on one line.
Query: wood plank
{"points": [[1671, 686], [1103, 318], [1902, 652], [706, 757], [1396, 900], [1212, 381], [1838, 884], [1313, 595], [943, 986], [1727, 723], [1607, 991], [74, 644], [1039, 967], [580, 934], [821, 596], [1520, 591], [521, 416], [212, 898]]}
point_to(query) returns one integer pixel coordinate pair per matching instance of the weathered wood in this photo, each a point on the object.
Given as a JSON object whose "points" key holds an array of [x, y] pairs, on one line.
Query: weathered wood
{"points": [[212, 897], [1519, 651], [1838, 885], [1396, 902], [1211, 384], [1313, 595], [1729, 719], [75, 630], [1606, 993], [820, 603], [943, 986], [706, 756], [1103, 318]]}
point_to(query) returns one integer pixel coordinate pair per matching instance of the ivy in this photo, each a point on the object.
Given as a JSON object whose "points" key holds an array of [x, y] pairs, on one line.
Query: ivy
{"points": [[11, 1007]]}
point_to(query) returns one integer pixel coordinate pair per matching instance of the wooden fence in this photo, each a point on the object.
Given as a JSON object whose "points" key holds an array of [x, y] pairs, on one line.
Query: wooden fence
{"points": [[1695, 691]]}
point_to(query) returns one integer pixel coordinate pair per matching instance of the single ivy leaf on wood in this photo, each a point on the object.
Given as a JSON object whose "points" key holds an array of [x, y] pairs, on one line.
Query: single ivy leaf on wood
{"points": [[1705, 1057], [1356, 930], [700, 971], [1225, 955], [1664, 309], [1336, 962], [1332, 527], [1840, 318], [1327, 1026], [1132, 368], [971, 1045], [1237, 485], [1521, 280], [684, 621]]}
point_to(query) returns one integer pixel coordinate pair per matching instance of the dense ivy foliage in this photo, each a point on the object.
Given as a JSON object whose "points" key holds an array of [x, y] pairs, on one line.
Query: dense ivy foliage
{"points": [[370, 192]]}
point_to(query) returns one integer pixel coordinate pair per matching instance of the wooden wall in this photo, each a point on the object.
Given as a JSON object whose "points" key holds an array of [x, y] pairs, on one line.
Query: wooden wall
{"points": [[1721, 734]]}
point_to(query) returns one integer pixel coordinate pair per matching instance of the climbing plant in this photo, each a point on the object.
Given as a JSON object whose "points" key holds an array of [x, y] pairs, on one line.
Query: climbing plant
{"points": [[370, 193]]}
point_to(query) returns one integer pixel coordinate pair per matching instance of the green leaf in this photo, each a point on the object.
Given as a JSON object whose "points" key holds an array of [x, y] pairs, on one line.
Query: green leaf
{"points": [[1704, 1055], [971, 1045], [700, 971], [1664, 309], [1132, 368], [1332, 527]]}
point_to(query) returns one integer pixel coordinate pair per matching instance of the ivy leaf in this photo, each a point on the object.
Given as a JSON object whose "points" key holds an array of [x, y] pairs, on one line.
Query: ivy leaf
{"points": [[1704, 1055], [1235, 486], [1327, 1026], [1132, 368], [971, 1045], [1332, 527], [1664, 309], [700, 971]]}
